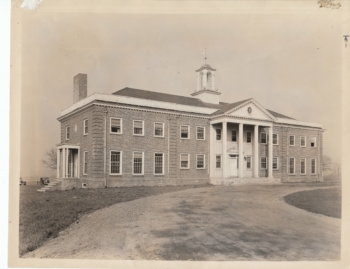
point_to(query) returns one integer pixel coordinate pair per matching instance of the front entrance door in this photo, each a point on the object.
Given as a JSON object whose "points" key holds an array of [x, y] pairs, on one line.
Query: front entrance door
{"points": [[233, 165]]}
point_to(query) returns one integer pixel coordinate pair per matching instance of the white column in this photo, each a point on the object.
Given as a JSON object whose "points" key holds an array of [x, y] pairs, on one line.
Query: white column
{"points": [[78, 164], [58, 163], [212, 158], [63, 162], [224, 148], [270, 171], [256, 151], [71, 163], [198, 81], [240, 148], [67, 154]]}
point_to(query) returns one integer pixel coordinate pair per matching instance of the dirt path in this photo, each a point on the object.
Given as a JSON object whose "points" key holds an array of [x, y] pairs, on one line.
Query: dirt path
{"points": [[220, 223]]}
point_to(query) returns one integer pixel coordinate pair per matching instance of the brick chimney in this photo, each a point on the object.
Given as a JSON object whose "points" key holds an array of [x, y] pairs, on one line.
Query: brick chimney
{"points": [[80, 87]]}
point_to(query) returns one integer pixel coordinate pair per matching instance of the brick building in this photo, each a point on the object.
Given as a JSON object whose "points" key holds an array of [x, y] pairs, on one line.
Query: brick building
{"points": [[135, 137]]}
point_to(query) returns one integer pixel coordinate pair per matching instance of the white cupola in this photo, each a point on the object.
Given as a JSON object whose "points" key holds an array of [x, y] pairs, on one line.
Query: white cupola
{"points": [[206, 85]]}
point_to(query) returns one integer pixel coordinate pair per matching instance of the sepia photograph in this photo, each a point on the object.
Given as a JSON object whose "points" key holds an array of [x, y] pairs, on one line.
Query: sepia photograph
{"points": [[175, 135]]}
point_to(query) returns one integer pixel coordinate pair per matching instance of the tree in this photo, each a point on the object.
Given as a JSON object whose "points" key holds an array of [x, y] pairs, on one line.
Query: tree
{"points": [[50, 160], [327, 166]]}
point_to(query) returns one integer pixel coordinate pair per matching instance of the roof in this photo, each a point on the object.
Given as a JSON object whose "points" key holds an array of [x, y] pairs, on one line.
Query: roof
{"points": [[165, 97], [183, 100], [205, 66]]}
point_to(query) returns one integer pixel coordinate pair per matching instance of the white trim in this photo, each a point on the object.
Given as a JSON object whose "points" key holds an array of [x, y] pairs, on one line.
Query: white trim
{"points": [[315, 141], [277, 139], [138, 102], [86, 125], [203, 133], [154, 129], [67, 137], [289, 166], [110, 125], [203, 161], [305, 141], [188, 132], [261, 138], [110, 162], [305, 167], [276, 162], [250, 137], [265, 162], [251, 162], [85, 161], [188, 166], [315, 166], [143, 163], [143, 128], [154, 164], [289, 140]]}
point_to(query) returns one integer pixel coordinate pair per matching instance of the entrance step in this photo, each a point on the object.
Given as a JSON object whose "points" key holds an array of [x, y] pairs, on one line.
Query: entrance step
{"points": [[55, 184], [240, 181]]}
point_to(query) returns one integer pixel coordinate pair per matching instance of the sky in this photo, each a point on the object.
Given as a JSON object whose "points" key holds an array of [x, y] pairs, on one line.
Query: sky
{"points": [[289, 63]]}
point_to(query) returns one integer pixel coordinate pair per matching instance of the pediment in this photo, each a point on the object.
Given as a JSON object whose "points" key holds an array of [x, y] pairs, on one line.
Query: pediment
{"points": [[251, 109]]}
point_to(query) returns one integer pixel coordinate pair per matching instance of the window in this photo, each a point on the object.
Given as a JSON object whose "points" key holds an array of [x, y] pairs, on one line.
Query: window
{"points": [[85, 161], [313, 166], [218, 161], [116, 125], [249, 162], [303, 141], [249, 137], [291, 166], [263, 163], [275, 139], [263, 138], [86, 127], [138, 163], [200, 133], [218, 134], [185, 131], [275, 163], [67, 133], [184, 161], [159, 129], [303, 166], [234, 136], [200, 161], [292, 140], [313, 142], [138, 127], [115, 163], [158, 163]]}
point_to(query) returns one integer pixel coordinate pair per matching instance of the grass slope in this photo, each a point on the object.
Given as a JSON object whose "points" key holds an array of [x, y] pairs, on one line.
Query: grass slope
{"points": [[321, 201], [44, 215]]}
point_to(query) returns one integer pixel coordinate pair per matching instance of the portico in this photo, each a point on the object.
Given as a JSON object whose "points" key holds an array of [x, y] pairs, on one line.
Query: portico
{"points": [[235, 145], [68, 157]]}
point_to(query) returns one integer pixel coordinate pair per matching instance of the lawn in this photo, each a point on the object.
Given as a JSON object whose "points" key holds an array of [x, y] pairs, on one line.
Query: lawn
{"points": [[44, 215], [321, 201]]}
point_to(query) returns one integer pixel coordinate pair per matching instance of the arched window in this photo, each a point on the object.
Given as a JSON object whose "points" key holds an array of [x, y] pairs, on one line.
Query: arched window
{"points": [[209, 79], [200, 80]]}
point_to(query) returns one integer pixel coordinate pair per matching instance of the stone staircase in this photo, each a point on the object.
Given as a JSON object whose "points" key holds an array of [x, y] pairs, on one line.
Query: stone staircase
{"points": [[240, 181], [54, 185]]}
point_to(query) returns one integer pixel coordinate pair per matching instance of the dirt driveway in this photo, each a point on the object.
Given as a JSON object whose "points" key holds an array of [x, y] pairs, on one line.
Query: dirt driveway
{"points": [[247, 222]]}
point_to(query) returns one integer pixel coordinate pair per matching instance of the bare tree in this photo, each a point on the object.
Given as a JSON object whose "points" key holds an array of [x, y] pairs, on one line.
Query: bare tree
{"points": [[327, 164], [50, 160]]}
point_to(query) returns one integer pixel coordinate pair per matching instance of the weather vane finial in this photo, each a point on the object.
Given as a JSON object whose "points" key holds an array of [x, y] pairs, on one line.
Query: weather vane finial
{"points": [[205, 58]]}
